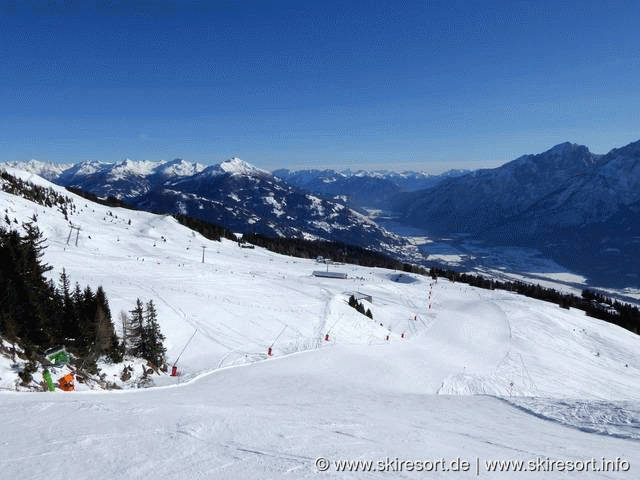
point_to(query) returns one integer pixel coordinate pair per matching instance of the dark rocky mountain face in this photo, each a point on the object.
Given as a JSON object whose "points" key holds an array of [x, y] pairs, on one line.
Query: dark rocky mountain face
{"points": [[579, 208], [483, 199]]}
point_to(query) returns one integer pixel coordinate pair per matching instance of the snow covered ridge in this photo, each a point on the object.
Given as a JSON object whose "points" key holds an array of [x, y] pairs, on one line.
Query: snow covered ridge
{"points": [[366, 189], [114, 172], [235, 166], [48, 170], [235, 195], [328, 175]]}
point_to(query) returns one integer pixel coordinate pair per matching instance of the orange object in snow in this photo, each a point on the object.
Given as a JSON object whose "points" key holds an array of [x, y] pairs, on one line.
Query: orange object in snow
{"points": [[66, 383]]}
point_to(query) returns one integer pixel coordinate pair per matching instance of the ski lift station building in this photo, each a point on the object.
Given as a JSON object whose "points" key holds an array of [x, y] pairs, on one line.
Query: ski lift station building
{"points": [[322, 273]]}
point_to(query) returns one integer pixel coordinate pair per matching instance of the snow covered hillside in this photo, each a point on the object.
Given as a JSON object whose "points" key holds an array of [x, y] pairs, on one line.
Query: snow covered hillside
{"points": [[555, 384]]}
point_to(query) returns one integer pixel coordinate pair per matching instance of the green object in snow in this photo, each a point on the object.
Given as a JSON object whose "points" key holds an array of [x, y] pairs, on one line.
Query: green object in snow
{"points": [[57, 356], [47, 378]]}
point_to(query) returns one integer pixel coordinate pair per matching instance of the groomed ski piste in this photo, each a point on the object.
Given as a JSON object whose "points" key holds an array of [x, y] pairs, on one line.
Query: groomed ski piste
{"points": [[444, 373]]}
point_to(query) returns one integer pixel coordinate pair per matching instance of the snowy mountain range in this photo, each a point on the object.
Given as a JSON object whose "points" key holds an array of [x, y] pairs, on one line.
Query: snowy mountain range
{"points": [[233, 193], [366, 189], [581, 209]]}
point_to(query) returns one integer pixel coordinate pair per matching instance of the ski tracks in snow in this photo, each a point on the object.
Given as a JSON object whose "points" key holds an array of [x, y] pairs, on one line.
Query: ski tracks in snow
{"points": [[614, 419]]}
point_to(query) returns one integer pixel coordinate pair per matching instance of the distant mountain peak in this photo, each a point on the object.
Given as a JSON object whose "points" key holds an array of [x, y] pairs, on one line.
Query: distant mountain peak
{"points": [[46, 169], [235, 166], [563, 146], [88, 167], [179, 168], [134, 167], [567, 148], [567, 156]]}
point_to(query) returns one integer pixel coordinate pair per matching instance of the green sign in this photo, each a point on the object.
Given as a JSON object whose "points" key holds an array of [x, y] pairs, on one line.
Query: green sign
{"points": [[60, 357]]}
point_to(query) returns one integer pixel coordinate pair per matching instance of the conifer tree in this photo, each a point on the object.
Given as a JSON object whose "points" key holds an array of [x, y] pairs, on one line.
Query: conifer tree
{"points": [[69, 310], [137, 334], [87, 322], [27, 299], [155, 351], [106, 338], [126, 331]]}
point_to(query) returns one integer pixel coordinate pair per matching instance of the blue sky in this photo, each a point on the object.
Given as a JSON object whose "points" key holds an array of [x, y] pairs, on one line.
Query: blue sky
{"points": [[428, 85]]}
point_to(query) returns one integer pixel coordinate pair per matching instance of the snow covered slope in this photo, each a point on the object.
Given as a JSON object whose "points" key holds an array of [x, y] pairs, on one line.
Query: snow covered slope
{"points": [[559, 384]]}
